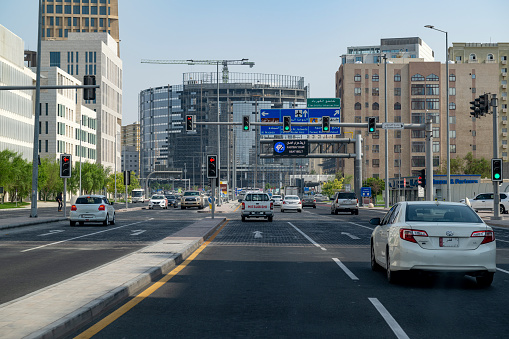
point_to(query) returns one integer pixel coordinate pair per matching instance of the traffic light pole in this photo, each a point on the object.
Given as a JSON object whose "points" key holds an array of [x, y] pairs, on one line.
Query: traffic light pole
{"points": [[496, 187], [65, 197], [429, 159]]}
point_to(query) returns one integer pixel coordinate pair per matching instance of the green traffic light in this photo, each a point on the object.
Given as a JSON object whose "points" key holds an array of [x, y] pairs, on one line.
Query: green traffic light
{"points": [[287, 128], [497, 175]]}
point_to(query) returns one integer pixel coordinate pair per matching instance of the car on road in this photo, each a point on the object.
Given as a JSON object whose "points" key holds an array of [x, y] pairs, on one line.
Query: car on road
{"points": [[257, 205], [277, 199], [157, 200], [485, 201], [291, 202], [344, 202], [433, 237], [308, 201], [92, 208], [192, 199], [172, 200]]}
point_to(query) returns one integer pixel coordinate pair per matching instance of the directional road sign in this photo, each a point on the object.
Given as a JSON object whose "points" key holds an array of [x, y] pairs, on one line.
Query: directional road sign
{"points": [[303, 115], [366, 192]]}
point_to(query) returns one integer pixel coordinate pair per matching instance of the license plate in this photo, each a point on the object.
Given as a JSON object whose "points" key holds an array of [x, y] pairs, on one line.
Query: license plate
{"points": [[87, 216], [449, 242]]}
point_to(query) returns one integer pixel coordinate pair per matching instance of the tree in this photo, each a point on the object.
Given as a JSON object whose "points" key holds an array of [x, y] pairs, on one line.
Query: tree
{"points": [[332, 186], [377, 185], [477, 166]]}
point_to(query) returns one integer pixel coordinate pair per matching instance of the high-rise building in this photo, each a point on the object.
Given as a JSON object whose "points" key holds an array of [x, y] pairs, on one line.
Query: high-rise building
{"points": [[475, 54], [415, 90], [131, 147], [16, 107], [165, 145], [59, 18], [94, 54]]}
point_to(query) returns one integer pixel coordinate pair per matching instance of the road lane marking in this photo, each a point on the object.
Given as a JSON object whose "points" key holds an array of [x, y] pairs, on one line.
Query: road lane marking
{"points": [[501, 270], [398, 331], [369, 228], [502, 240], [82, 236], [258, 234], [138, 232], [108, 320], [308, 238], [50, 233], [350, 235], [345, 269]]}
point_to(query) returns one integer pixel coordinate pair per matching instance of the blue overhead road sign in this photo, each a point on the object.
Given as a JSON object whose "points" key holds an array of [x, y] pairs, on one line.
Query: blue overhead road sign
{"points": [[300, 115]]}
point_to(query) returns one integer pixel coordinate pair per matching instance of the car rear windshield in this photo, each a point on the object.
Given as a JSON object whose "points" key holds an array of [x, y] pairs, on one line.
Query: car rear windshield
{"points": [[276, 197], [346, 195], [257, 197], [89, 201], [191, 193], [170, 197], [441, 213], [291, 197], [157, 197]]}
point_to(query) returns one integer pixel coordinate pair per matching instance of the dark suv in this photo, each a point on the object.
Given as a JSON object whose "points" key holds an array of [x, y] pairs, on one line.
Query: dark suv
{"points": [[345, 202]]}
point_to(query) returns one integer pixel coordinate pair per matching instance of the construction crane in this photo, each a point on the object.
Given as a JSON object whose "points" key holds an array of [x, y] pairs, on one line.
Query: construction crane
{"points": [[225, 64]]}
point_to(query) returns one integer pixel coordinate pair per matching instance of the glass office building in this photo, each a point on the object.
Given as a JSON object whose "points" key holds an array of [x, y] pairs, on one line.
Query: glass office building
{"points": [[165, 145]]}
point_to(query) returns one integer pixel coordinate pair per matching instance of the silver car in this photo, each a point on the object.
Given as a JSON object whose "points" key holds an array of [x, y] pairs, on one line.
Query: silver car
{"points": [[345, 202], [485, 201], [92, 208]]}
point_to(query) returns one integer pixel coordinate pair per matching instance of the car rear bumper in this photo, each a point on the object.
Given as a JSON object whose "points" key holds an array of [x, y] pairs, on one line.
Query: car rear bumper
{"points": [[257, 214], [96, 217], [410, 256]]}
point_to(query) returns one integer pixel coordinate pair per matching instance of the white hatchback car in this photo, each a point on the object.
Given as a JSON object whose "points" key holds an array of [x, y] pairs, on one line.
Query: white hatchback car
{"points": [[158, 200], [92, 208], [291, 202], [433, 236], [277, 200]]}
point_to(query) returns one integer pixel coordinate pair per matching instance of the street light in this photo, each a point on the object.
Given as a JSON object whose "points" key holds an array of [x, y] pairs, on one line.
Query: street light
{"points": [[447, 91]]}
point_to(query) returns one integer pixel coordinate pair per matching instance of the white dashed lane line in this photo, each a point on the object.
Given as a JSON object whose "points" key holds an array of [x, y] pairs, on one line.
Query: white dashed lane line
{"points": [[308, 238], [393, 324], [345, 269]]}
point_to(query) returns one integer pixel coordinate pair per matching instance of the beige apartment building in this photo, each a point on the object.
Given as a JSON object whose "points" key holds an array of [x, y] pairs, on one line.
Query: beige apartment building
{"points": [[414, 89], [489, 53], [61, 17]]}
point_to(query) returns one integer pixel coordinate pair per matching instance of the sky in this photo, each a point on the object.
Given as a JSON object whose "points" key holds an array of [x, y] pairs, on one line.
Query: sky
{"points": [[298, 38]]}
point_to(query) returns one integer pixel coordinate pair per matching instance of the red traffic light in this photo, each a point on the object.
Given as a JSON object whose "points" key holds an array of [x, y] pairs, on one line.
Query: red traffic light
{"points": [[212, 159], [65, 159]]}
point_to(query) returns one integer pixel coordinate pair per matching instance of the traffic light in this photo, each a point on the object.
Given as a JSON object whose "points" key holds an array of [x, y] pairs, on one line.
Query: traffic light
{"points": [[65, 165], [211, 166], [476, 111], [189, 122], [127, 178], [371, 125], [89, 93], [326, 124], [484, 104], [421, 180], [287, 123], [245, 123], [496, 170]]}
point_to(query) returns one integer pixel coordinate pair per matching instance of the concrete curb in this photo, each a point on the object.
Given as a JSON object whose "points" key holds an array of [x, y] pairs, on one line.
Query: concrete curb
{"points": [[36, 221]]}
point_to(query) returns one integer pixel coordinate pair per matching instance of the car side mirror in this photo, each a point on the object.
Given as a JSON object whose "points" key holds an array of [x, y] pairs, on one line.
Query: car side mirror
{"points": [[240, 200], [111, 203], [375, 221]]}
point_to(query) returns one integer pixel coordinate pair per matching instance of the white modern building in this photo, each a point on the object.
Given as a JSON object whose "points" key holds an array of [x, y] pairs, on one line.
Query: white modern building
{"points": [[60, 116], [16, 107], [94, 54]]}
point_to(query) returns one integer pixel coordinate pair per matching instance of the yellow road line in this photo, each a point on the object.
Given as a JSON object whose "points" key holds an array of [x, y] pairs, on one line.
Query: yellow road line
{"points": [[237, 208], [89, 333]]}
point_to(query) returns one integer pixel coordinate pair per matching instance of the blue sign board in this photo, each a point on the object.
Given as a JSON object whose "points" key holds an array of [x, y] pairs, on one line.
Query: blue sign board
{"points": [[366, 192], [303, 115]]}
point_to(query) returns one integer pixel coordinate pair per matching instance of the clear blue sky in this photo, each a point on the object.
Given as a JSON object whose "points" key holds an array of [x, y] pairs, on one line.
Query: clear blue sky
{"points": [[303, 38]]}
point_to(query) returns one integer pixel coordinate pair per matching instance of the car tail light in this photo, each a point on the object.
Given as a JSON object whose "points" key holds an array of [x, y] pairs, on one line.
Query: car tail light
{"points": [[102, 208], [408, 235], [284, 202], [73, 208], [271, 205], [243, 206], [489, 236], [314, 200]]}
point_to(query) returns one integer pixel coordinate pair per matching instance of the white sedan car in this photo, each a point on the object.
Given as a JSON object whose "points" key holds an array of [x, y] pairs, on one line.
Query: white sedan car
{"points": [[433, 236], [92, 208], [291, 202], [158, 200]]}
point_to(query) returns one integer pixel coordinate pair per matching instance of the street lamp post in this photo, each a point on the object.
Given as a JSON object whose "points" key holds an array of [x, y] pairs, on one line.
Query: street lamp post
{"points": [[447, 103]]}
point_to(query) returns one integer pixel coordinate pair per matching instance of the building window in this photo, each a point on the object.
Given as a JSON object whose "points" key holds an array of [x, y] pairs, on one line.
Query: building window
{"points": [[436, 160], [432, 77], [102, 10], [452, 90], [418, 146], [436, 146], [452, 105], [357, 106], [357, 77], [357, 91], [75, 9], [473, 57], [474, 90], [417, 89], [490, 57], [376, 148], [375, 106], [452, 77], [453, 148], [418, 134], [417, 77], [397, 91], [473, 75], [433, 104], [375, 91], [432, 90], [397, 106], [358, 119], [458, 59], [376, 162], [417, 118], [452, 134], [418, 104], [93, 10], [366, 104], [436, 132], [84, 10], [46, 146], [397, 134], [397, 148], [375, 78], [397, 77], [54, 59], [397, 163], [418, 161]]}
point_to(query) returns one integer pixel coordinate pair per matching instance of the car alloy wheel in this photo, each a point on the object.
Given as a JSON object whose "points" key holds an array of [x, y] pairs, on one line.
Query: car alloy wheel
{"points": [[105, 222], [392, 277], [374, 264]]}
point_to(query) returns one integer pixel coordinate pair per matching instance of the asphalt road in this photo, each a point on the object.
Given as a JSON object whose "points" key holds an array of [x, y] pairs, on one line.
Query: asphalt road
{"points": [[35, 257], [308, 275]]}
